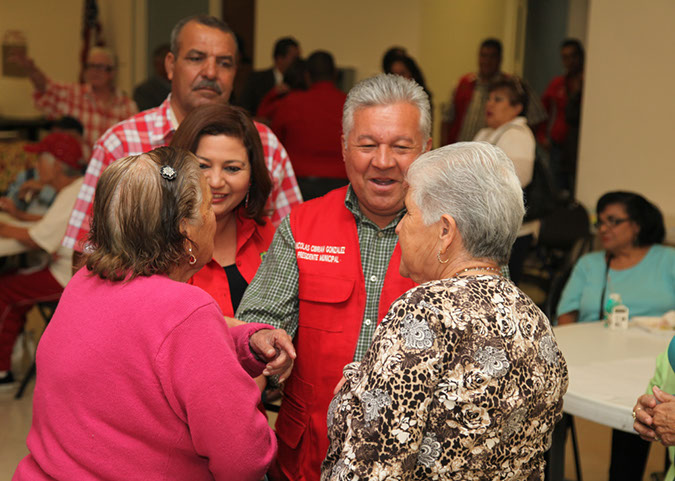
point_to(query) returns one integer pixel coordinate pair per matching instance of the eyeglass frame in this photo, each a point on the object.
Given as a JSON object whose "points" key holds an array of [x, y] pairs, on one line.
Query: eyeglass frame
{"points": [[611, 222], [101, 67]]}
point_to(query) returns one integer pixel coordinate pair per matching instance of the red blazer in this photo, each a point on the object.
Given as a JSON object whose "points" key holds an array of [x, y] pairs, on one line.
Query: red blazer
{"points": [[332, 297], [253, 240]]}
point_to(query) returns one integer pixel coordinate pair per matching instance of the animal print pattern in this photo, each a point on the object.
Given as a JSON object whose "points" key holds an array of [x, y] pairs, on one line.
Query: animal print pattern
{"points": [[463, 381]]}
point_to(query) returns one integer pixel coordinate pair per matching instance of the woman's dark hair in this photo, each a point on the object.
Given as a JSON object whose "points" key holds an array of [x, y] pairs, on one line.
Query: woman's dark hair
{"points": [[389, 57], [414, 70], [220, 119], [516, 89], [645, 214], [139, 213], [576, 44]]}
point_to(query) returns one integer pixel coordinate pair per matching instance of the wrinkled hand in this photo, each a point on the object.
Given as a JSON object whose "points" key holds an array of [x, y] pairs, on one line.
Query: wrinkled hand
{"points": [[276, 348], [663, 417], [644, 409], [7, 205]]}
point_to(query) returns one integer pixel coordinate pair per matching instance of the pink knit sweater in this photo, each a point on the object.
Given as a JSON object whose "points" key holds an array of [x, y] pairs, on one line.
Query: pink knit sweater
{"points": [[143, 380]]}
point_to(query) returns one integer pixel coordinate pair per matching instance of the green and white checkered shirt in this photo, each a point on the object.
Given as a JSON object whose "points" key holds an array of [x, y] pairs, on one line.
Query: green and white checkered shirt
{"points": [[272, 296]]}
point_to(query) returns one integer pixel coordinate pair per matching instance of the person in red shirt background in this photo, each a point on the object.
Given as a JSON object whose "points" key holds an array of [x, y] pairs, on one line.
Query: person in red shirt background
{"points": [[562, 100], [309, 124]]}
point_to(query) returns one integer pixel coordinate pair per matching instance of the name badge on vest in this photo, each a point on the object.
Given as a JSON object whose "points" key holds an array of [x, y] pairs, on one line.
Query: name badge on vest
{"points": [[319, 253]]}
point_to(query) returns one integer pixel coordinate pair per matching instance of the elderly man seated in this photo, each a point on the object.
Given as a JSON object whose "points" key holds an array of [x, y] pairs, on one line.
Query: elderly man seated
{"points": [[58, 167]]}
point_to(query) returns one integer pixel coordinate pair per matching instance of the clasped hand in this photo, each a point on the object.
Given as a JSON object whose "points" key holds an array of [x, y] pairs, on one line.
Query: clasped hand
{"points": [[655, 417], [274, 347]]}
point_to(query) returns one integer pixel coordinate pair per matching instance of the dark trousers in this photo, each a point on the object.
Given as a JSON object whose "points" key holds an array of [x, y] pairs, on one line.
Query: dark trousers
{"points": [[629, 456], [18, 294]]}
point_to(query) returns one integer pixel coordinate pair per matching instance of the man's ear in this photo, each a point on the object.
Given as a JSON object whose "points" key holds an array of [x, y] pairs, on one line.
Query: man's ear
{"points": [[169, 64], [343, 143], [428, 145]]}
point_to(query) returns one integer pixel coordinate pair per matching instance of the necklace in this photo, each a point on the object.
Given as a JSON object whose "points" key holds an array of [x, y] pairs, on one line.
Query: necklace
{"points": [[478, 268]]}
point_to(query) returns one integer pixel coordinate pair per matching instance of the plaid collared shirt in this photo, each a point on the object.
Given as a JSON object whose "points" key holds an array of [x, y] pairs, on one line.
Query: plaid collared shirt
{"points": [[77, 100], [272, 296], [151, 129]]}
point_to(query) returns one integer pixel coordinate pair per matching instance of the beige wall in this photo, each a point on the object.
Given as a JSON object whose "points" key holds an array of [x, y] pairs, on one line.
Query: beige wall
{"points": [[442, 35], [53, 32], [356, 32], [52, 35], [628, 111]]}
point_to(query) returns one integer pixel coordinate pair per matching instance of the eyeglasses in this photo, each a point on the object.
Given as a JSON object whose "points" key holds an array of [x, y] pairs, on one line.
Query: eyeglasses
{"points": [[100, 67], [610, 222]]}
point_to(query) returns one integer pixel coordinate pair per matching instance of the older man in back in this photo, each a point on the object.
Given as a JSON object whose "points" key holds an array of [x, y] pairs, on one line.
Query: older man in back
{"points": [[464, 115], [333, 268], [201, 67]]}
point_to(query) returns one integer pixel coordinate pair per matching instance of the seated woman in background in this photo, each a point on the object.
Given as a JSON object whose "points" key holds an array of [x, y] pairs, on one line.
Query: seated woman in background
{"points": [[635, 265], [507, 128], [230, 155], [464, 379], [138, 376]]}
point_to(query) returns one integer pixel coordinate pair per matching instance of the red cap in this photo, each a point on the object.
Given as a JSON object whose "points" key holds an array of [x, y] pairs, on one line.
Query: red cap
{"points": [[64, 147]]}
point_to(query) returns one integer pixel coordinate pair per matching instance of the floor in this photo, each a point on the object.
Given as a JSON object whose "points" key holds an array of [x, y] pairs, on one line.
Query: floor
{"points": [[594, 439]]}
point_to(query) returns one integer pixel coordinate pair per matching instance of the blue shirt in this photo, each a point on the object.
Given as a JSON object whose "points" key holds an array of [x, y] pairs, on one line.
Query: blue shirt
{"points": [[647, 289]]}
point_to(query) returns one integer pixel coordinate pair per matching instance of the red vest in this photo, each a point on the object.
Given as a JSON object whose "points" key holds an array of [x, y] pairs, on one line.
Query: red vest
{"points": [[332, 299], [253, 240], [461, 101]]}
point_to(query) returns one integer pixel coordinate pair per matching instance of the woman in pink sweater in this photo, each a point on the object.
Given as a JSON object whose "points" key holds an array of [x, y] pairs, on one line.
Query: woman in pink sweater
{"points": [[139, 377]]}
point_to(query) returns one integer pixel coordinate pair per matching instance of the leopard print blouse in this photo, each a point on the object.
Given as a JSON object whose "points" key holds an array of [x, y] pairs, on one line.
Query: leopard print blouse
{"points": [[463, 381]]}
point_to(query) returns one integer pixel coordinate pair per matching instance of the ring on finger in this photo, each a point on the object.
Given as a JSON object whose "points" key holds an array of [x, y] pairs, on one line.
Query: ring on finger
{"points": [[634, 415]]}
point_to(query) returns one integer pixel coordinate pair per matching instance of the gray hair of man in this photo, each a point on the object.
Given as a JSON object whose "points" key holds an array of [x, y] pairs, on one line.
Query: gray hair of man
{"points": [[206, 20], [476, 184], [386, 89]]}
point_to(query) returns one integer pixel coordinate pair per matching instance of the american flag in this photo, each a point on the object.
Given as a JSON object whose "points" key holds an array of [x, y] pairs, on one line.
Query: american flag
{"points": [[91, 33]]}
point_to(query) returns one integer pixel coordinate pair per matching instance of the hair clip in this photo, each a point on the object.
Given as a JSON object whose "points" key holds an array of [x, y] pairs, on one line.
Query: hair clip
{"points": [[168, 172]]}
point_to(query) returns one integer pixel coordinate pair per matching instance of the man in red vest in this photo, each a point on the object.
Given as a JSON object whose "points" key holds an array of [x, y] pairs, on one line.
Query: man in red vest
{"points": [[333, 268], [464, 114]]}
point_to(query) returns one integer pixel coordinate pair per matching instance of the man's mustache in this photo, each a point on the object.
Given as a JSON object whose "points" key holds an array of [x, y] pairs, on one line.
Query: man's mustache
{"points": [[208, 84]]}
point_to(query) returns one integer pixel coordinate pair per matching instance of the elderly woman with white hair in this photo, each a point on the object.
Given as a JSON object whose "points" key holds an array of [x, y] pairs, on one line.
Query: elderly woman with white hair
{"points": [[464, 379]]}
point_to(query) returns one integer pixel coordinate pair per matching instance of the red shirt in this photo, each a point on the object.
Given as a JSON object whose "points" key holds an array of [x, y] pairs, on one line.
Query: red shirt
{"points": [[309, 124], [556, 96]]}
